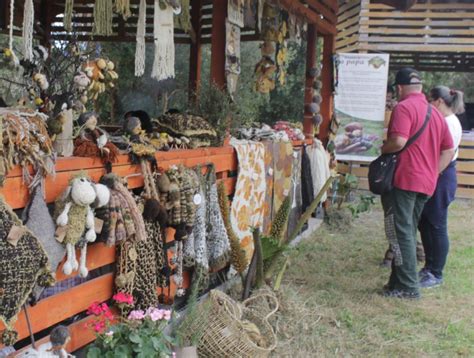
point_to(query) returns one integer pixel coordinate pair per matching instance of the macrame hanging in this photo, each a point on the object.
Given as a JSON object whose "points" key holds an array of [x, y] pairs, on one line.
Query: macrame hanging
{"points": [[163, 33], [67, 20], [122, 7], [28, 20], [103, 17], [140, 49], [10, 34], [183, 19]]}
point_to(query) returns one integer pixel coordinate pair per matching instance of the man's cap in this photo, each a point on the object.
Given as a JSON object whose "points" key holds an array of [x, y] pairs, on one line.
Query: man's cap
{"points": [[407, 76]]}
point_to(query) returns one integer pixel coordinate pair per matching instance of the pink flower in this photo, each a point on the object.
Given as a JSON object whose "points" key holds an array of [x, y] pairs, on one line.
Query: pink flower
{"points": [[155, 314], [99, 326], [110, 333], [173, 355], [95, 309], [167, 314], [136, 315], [122, 297]]}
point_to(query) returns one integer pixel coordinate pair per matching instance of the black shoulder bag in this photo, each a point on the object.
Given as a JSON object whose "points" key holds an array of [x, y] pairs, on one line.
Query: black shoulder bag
{"points": [[382, 169]]}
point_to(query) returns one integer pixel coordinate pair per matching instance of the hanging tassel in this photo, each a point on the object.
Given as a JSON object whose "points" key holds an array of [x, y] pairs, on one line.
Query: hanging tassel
{"points": [[103, 17], [68, 15], [122, 7], [163, 33], [28, 19], [183, 19], [140, 50]]}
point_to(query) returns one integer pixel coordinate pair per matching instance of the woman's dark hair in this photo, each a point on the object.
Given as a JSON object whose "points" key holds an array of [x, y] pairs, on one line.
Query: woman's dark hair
{"points": [[452, 98]]}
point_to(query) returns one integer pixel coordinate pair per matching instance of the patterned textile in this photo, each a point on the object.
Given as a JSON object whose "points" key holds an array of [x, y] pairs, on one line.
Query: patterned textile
{"points": [[268, 202], [320, 171], [307, 191], [296, 198], [23, 264], [247, 205], [282, 171]]}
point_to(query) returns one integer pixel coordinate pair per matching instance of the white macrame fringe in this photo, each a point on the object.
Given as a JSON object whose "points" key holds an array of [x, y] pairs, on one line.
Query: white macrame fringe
{"points": [[28, 20], [103, 16], [163, 33], [140, 50], [122, 7], [68, 15]]}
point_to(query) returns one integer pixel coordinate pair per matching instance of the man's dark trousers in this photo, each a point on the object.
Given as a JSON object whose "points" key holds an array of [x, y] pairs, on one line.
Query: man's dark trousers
{"points": [[406, 208]]}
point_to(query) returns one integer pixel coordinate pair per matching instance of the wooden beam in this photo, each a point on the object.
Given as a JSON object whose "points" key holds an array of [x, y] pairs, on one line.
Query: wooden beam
{"points": [[323, 10], [326, 92], [195, 60], [308, 129], [219, 14], [294, 6]]}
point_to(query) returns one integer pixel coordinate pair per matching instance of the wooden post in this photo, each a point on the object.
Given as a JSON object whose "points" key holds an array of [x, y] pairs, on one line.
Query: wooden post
{"points": [[326, 91], [47, 15], [219, 14], [308, 91], [195, 60]]}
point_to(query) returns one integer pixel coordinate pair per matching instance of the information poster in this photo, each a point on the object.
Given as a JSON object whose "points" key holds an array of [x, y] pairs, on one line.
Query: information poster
{"points": [[361, 88]]}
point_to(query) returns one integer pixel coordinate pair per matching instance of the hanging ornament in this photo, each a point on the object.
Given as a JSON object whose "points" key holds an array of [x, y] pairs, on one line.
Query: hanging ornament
{"points": [[103, 17], [67, 20], [122, 7], [28, 19], [163, 64], [140, 49]]}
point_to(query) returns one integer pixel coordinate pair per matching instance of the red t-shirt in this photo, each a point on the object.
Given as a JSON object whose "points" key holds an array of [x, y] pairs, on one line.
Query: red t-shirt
{"points": [[417, 168]]}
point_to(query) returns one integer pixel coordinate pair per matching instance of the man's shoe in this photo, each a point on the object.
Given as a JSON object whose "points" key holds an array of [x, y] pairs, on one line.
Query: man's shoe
{"points": [[430, 281], [422, 273], [402, 294]]}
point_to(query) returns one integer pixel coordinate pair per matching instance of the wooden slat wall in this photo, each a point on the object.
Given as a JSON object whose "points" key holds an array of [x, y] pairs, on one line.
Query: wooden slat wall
{"points": [[71, 302], [430, 36]]}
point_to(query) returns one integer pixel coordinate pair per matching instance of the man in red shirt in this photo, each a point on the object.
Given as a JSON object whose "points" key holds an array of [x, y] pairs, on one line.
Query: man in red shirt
{"points": [[415, 177]]}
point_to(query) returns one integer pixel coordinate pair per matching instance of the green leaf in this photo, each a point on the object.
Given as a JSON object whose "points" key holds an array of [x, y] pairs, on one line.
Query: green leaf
{"points": [[94, 352], [135, 338]]}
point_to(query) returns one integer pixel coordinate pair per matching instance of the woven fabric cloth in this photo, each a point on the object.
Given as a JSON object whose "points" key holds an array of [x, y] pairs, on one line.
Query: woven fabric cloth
{"points": [[268, 202], [296, 198], [37, 218], [320, 171], [248, 203], [23, 265]]}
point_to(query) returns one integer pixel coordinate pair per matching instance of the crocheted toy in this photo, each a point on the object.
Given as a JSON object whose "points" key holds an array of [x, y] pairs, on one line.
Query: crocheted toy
{"points": [[93, 141], [74, 216]]}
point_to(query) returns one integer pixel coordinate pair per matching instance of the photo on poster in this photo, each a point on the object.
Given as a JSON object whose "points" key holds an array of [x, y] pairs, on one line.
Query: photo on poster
{"points": [[360, 105]]}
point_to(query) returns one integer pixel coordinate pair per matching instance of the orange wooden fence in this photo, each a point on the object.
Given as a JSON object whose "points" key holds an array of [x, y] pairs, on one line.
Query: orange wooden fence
{"points": [[61, 306]]}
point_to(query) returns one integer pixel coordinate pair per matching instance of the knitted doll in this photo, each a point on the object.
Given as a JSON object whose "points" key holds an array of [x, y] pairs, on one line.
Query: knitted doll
{"points": [[93, 141], [74, 216]]}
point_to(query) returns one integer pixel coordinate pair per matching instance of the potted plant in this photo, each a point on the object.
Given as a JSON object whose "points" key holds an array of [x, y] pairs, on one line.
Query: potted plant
{"points": [[141, 334]]}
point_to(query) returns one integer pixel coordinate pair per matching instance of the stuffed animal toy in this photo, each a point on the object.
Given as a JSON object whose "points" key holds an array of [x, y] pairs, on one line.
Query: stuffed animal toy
{"points": [[93, 141], [56, 347], [75, 219]]}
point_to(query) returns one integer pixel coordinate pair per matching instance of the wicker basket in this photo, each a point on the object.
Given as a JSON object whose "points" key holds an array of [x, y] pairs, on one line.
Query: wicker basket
{"points": [[223, 329]]}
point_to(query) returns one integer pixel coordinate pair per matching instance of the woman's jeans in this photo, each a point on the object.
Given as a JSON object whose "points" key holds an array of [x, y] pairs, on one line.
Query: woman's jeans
{"points": [[433, 223]]}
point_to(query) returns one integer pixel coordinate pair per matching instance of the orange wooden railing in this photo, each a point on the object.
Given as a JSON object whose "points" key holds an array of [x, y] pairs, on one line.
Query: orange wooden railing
{"points": [[61, 306]]}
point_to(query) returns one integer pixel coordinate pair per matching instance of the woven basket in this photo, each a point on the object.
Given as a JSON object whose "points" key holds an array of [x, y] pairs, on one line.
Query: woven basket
{"points": [[222, 324]]}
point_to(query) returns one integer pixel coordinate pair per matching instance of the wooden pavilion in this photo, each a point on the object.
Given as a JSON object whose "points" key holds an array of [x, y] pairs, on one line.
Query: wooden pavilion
{"points": [[208, 26]]}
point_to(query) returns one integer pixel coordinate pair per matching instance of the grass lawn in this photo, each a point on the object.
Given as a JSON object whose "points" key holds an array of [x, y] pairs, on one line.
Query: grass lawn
{"points": [[331, 307]]}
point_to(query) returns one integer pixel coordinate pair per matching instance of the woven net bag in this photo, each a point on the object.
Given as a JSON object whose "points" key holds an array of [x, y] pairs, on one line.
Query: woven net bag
{"points": [[224, 328]]}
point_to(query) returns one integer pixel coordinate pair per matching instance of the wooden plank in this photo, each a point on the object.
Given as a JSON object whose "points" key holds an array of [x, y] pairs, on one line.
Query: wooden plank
{"points": [[416, 47], [466, 153], [466, 143], [408, 14], [296, 7], [467, 167], [348, 4], [326, 91], [423, 40], [466, 193], [98, 255], [422, 22], [348, 14], [465, 179], [348, 41], [66, 304], [348, 23], [349, 31], [427, 6], [323, 10], [219, 13], [423, 31]]}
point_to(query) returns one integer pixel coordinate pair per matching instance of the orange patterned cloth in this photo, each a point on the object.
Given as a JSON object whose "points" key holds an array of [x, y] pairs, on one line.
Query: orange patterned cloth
{"points": [[247, 209]]}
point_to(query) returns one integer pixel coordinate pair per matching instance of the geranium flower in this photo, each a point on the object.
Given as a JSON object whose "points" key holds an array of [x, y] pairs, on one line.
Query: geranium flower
{"points": [[99, 326], [95, 309], [122, 297], [166, 314], [110, 333], [136, 315], [155, 314]]}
